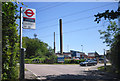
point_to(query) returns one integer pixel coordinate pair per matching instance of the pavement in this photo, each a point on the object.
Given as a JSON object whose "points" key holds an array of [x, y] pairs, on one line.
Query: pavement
{"points": [[29, 75], [89, 73]]}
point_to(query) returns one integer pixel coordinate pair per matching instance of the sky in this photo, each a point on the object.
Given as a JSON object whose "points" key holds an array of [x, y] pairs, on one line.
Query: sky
{"points": [[78, 24]]}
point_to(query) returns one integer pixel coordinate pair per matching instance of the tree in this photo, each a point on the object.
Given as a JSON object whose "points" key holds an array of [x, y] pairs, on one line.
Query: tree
{"points": [[112, 29], [110, 15], [37, 48], [32, 46], [35, 35], [111, 35], [10, 42], [115, 53]]}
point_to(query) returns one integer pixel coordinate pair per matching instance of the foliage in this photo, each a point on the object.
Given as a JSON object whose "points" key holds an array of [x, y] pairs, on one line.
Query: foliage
{"points": [[35, 35], [36, 49], [108, 69], [82, 60], [111, 36], [10, 45], [110, 15], [52, 59], [73, 61], [28, 61], [38, 60], [115, 54], [67, 61]]}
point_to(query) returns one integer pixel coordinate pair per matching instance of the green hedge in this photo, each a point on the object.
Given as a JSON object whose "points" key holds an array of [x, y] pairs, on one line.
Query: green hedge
{"points": [[67, 61], [82, 60], [28, 61], [39, 60], [73, 61], [50, 61]]}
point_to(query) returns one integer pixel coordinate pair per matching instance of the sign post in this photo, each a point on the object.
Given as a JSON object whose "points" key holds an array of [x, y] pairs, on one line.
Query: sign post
{"points": [[21, 51], [20, 27], [28, 23], [60, 58]]}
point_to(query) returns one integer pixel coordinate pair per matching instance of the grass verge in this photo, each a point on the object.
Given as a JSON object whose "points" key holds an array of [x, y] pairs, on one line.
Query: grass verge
{"points": [[108, 69], [26, 69]]}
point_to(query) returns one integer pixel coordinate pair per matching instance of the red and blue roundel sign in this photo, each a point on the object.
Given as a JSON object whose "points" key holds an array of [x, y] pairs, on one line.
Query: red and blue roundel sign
{"points": [[29, 13], [29, 18]]}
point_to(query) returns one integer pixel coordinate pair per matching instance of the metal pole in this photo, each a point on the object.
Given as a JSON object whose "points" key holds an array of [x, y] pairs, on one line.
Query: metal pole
{"points": [[54, 42], [104, 60], [21, 49], [61, 40], [20, 27], [22, 65]]}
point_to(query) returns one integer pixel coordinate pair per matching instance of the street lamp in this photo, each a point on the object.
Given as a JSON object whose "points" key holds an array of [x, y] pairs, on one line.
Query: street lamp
{"points": [[104, 60], [82, 48]]}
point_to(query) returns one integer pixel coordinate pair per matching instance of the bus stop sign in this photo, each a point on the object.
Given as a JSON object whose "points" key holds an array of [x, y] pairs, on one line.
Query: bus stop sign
{"points": [[29, 18]]}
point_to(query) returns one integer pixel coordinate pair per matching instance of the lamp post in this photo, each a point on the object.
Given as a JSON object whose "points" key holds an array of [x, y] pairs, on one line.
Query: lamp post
{"points": [[104, 60], [82, 48]]}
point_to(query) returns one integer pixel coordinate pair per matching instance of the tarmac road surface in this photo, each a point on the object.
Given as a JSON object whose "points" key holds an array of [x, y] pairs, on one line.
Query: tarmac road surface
{"points": [[62, 71]]}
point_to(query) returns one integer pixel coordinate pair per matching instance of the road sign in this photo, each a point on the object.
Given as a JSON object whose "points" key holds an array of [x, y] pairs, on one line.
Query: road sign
{"points": [[29, 18], [60, 58]]}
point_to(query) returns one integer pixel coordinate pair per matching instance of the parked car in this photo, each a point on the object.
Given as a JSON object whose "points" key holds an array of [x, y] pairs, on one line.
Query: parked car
{"points": [[88, 63]]}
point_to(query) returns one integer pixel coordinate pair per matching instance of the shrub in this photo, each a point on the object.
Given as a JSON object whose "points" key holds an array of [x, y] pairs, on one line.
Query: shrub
{"points": [[67, 61], [73, 61], [35, 60], [82, 60], [28, 61]]}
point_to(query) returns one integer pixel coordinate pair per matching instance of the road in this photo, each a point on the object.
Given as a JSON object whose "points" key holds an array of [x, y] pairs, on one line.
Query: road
{"points": [[48, 71]]}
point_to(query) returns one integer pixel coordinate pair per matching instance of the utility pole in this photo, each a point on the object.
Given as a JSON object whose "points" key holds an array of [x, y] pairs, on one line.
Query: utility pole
{"points": [[54, 43], [61, 40], [21, 49], [104, 60]]}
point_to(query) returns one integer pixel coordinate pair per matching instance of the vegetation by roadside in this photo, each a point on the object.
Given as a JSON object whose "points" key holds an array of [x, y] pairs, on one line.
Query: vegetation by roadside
{"points": [[26, 69], [49, 61], [69, 61], [10, 41], [111, 36], [109, 69]]}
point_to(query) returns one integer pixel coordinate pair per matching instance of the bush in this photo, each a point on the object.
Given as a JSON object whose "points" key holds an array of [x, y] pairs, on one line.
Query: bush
{"points": [[67, 61], [115, 54], [42, 60], [51, 60], [73, 61], [28, 61], [82, 60], [38, 60]]}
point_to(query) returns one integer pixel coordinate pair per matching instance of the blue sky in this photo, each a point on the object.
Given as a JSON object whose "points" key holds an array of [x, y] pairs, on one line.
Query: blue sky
{"points": [[79, 27]]}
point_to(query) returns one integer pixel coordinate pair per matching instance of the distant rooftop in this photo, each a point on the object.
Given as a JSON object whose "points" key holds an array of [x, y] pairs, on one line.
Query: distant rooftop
{"points": [[92, 52]]}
